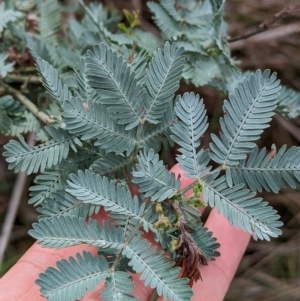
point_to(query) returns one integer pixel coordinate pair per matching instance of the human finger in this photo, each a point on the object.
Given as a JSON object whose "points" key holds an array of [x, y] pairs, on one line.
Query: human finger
{"points": [[19, 282]]}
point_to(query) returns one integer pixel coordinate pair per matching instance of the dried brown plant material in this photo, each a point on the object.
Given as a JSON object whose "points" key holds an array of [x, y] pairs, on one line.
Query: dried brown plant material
{"points": [[131, 57], [191, 256]]}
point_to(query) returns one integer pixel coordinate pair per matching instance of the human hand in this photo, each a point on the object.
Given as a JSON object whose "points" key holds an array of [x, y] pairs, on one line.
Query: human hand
{"points": [[19, 282]]}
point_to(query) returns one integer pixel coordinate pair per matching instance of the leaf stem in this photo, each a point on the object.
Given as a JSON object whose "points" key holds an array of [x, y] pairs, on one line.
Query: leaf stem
{"points": [[187, 188]]}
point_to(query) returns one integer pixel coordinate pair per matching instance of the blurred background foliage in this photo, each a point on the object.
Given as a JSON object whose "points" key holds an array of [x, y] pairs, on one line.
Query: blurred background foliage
{"points": [[269, 271]]}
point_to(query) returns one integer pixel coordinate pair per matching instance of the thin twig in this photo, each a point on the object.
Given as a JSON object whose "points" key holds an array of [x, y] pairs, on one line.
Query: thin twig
{"points": [[27, 103], [13, 206], [267, 24], [272, 34], [24, 78]]}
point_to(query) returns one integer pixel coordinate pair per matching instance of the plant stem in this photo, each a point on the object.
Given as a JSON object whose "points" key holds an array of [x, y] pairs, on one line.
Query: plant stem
{"points": [[181, 218], [27, 103], [187, 188], [267, 24], [24, 78]]}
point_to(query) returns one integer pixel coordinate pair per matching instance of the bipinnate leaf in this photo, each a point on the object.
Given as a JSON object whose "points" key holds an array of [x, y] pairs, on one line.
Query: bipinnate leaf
{"points": [[51, 180], [4, 66], [156, 271], [110, 164], [52, 83], [62, 203], [118, 287], [153, 179], [241, 209], [156, 135], [5, 122], [89, 121], [97, 190], [15, 118], [7, 16], [112, 78], [288, 103], [187, 132], [169, 27], [65, 231], [21, 156], [269, 172], [247, 114], [84, 90], [162, 81], [205, 242], [49, 20], [72, 278]]}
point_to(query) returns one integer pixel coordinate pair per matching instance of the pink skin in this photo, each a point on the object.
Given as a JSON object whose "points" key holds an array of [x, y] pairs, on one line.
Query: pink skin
{"points": [[18, 282]]}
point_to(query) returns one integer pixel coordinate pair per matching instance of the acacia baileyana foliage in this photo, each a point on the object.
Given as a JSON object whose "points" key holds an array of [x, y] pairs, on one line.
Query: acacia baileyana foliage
{"points": [[110, 119]]}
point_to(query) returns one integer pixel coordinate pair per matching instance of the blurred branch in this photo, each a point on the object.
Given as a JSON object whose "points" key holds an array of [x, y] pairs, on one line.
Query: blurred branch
{"points": [[22, 79], [26, 102], [272, 34], [267, 24], [13, 206]]}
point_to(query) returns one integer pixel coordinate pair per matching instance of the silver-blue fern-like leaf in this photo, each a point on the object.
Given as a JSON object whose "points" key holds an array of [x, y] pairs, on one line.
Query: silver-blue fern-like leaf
{"points": [[205, 242], [49, 22], [51, 180], [23, 157], [247, 114], [8, 15], [52, 82], [89, 121], [84, 90], [118, 286], [65, 231], [188, 133], [170, 20], [241, 209], [16, 119], [93, 23], [63, 203], [156, 271], [94, 189], [164, 21], [153, 179], [162, 81], [156, 135], [110, 164], [24, 124], [11, 106], [138, 61], [269, 172], [72, 278], [114, 81], [288, 103]]}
